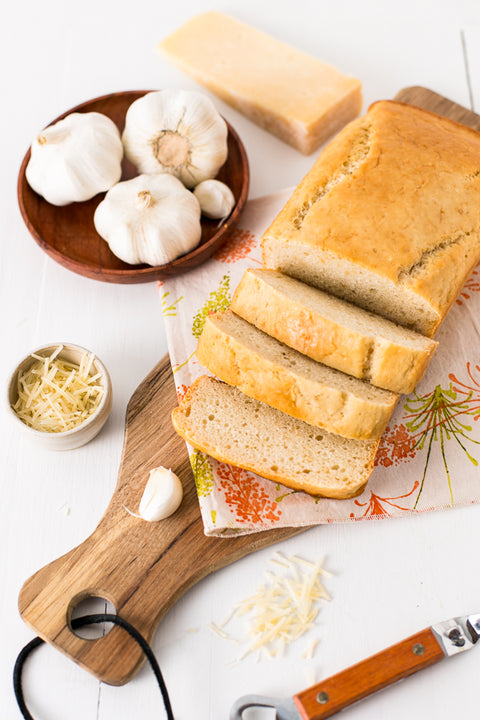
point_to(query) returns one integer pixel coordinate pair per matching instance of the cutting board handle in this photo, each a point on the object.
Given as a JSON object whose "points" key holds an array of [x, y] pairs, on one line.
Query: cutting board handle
{"points": [[141, 568]]}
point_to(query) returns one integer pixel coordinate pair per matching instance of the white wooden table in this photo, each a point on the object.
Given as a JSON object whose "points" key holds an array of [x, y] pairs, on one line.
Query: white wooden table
{"points": [[390, 578]]}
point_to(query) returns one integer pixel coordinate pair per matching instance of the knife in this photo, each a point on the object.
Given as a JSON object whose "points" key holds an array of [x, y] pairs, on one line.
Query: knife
{"points": [[368, 676]]}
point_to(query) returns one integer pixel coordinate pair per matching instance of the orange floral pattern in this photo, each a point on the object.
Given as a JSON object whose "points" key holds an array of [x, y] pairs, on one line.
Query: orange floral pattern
{"points": [[435, 417], [397, 445], [472, 392], [471, 286], [245, 495], [181, 392], [239, 245], [376, 506]]}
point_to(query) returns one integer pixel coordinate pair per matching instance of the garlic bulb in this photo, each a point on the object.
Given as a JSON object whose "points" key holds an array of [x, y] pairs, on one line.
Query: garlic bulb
{"points": [[150, 219], [176, 131], [76, 158], [215, 198], [162, 495]]}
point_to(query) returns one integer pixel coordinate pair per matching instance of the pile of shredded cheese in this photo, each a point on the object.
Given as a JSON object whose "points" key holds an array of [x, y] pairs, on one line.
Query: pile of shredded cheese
{"points": [[55, 395], [282, 610]]}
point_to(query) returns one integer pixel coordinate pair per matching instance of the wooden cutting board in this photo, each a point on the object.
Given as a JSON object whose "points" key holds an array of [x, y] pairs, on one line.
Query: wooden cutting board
{"points": [[143, 568]]}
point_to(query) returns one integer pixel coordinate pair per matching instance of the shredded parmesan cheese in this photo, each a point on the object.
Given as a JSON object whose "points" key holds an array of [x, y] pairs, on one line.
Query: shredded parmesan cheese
{"points": [[221, 633], [55, 395], [282, 610]]}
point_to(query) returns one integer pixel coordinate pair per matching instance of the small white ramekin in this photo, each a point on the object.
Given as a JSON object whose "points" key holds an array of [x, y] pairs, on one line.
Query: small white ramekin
{"points": [[87, 430]]}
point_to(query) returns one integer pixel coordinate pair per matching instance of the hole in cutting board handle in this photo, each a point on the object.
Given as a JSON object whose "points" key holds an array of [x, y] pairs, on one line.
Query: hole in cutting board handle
{"points": [[86, 604]]}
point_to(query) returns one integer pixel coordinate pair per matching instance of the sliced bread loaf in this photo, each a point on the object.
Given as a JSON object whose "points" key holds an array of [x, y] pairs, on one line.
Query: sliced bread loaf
{"points": [[218, 419], [333, 331], [267, 370], [388, 217]]}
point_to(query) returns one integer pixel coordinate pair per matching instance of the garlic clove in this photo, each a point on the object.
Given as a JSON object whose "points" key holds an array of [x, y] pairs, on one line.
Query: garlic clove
{"points": [[75, 159], [176, 131], [150, 219], [162, 496], [215, 198]]}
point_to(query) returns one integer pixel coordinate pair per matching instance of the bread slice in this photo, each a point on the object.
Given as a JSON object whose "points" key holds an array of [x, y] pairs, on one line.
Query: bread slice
{"points": [[267, 370], [388, 217], [333, 331], [218, 419]]}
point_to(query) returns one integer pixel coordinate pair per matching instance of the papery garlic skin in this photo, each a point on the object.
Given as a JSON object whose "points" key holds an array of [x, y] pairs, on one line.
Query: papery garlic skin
{"points": [[176, 131], [75, 159], [162, 496], [215, 198], [150, 219]]}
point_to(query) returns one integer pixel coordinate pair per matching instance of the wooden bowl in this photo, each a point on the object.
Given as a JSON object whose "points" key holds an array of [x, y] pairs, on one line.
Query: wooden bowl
{"points": [[68, 234]]}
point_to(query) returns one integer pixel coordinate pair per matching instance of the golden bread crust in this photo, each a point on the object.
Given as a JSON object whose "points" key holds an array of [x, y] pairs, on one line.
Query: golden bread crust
{"points": [[289, 313], [328, 399], [397, 195]]}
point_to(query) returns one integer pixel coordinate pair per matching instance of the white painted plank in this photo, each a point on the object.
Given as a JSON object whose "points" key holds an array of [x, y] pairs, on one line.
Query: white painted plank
{"points": [[471, 40]]}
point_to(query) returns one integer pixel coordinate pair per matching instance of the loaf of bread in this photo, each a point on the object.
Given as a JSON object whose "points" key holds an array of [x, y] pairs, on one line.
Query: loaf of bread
{"points": [[218, 419], [294, 96], [265, 369], [333, 331], [389, 216]]}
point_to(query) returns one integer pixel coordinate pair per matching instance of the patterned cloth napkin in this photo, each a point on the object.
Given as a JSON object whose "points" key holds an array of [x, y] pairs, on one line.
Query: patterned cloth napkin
{"points": [[428, 456]]}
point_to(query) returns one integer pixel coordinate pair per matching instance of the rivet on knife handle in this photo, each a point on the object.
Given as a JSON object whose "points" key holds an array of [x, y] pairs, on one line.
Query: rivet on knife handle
{"points": [[369, 676]]}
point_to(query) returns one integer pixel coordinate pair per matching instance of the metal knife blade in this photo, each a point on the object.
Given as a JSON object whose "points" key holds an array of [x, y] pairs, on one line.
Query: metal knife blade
{"points": [[458, 634], [407, 657], [284, 709]]}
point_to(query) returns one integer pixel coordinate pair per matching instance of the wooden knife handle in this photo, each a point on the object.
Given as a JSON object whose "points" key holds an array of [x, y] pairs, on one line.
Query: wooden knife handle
{"points": [[367, 677]]}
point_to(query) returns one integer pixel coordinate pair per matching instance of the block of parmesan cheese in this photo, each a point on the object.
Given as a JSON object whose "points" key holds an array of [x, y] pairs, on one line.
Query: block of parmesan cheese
{"points": [[294, 96]]}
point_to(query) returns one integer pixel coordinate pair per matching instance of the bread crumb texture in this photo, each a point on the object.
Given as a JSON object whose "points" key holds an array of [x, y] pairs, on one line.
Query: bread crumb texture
{"points": [[223, 422]]}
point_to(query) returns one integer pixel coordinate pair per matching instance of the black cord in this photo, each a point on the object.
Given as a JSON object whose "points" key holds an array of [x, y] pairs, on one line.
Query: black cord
{"points": [[80, 622]]}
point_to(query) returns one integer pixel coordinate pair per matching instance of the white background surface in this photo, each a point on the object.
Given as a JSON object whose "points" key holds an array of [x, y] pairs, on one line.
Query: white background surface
{"points": [[390, 578]]}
